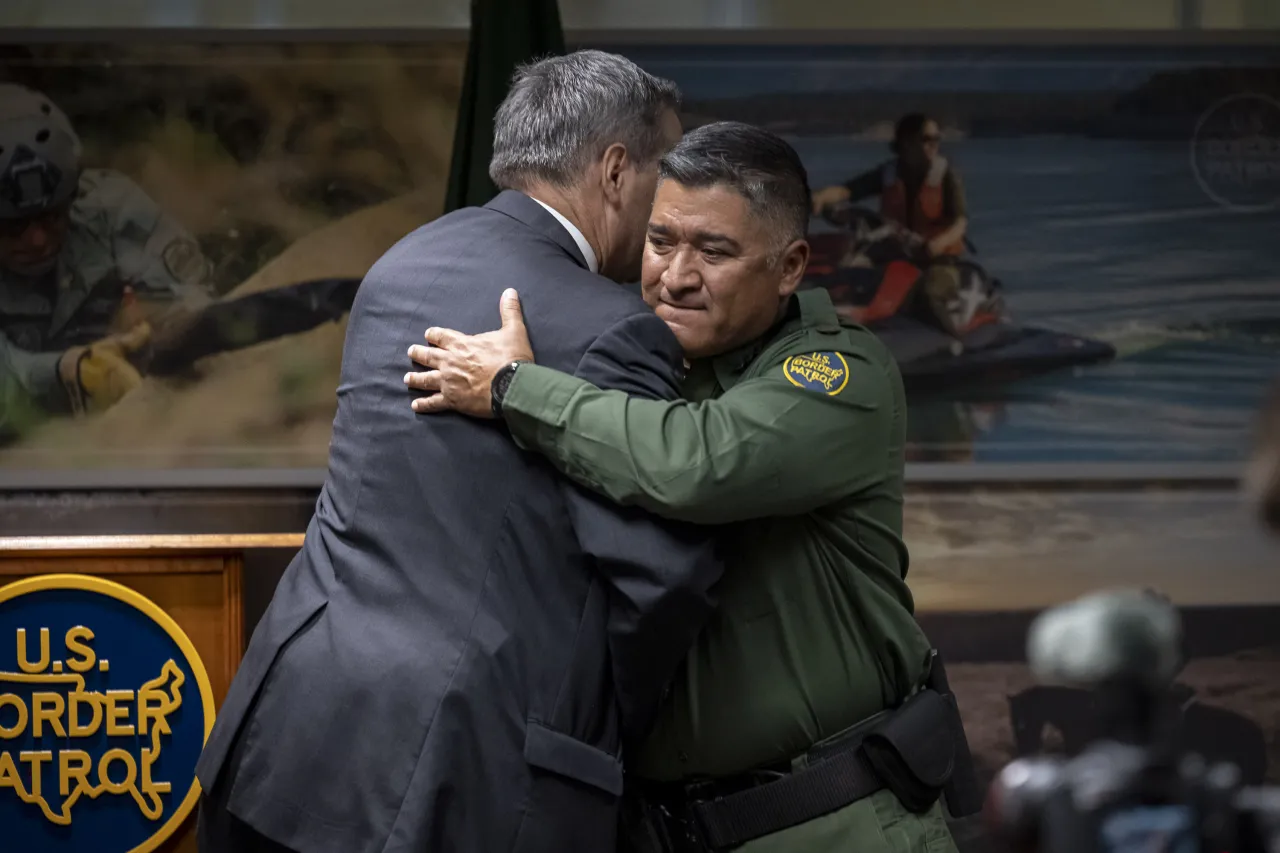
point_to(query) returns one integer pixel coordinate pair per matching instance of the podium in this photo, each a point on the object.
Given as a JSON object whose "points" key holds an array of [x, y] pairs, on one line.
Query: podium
{"points": [[195, 580]]}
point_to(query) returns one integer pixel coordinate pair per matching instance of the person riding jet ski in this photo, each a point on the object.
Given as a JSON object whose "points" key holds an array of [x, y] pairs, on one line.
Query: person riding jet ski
{"points": [[922, 195]]}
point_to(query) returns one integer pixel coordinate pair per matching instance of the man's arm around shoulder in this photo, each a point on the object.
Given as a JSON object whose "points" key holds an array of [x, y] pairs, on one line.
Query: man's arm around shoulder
{"points": [[659, 573], [766, 447]]}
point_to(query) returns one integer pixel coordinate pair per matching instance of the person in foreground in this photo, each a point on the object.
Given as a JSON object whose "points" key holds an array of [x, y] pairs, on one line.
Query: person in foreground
{"points": [[792, 437], [455, 657]]}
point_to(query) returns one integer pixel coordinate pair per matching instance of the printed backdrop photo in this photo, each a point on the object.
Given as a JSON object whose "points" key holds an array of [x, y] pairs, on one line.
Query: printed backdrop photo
{"points": [[1125, 196], [1119, 289], [1120, 266], [293, 167]]}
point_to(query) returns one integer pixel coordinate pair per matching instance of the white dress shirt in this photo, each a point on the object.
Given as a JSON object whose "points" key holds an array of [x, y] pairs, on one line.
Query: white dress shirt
{"points": [[587, 252]]}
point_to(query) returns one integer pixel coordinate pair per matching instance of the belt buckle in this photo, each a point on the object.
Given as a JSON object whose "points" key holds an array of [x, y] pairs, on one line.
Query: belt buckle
{"points": [[684, 833]]}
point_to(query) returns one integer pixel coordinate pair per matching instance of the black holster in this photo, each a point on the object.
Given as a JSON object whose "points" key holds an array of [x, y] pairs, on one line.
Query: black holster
{"points": [[913, 750], [920, 750]]}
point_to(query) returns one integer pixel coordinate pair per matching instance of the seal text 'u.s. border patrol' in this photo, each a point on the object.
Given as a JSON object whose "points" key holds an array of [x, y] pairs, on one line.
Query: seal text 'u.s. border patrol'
{"points": [[827, 372], [104, 709]]}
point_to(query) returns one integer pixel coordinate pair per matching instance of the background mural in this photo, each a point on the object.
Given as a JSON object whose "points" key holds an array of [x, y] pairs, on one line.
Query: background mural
{"points": [[1126, 196], [287, 164], [1122, 203]]}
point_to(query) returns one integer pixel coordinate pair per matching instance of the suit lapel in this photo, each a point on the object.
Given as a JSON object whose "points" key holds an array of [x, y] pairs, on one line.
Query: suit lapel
{"points": [[520, 207]]}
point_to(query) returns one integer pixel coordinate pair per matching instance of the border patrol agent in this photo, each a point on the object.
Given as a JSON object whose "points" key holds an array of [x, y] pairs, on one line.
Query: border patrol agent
{"points": [[811, 714], [86, 259]]}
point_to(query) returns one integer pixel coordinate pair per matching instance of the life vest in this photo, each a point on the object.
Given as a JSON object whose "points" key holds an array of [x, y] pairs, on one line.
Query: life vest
{"points": [[926, 216]]}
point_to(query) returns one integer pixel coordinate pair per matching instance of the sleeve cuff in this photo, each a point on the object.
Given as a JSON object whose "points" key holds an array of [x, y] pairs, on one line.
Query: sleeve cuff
{"points": [[46, 385], [535, 401]]}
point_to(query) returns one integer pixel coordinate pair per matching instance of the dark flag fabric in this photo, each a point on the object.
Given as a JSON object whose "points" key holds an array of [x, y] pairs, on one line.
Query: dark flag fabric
{"points": [[504, 35]]}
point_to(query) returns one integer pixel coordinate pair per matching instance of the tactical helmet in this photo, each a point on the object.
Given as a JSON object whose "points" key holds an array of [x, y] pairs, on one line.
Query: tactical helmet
{"points": [[39, 153]]}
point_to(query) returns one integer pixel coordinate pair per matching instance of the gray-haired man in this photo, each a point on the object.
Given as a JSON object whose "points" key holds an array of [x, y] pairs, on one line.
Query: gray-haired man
{"points": [[455, 657]]}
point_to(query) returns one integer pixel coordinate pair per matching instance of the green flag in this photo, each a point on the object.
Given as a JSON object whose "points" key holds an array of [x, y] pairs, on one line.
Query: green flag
{"points": [[504, 34]]}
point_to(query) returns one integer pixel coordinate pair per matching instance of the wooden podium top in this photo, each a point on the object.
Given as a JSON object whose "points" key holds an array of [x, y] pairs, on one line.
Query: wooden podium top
{"points": [[32, 546]]}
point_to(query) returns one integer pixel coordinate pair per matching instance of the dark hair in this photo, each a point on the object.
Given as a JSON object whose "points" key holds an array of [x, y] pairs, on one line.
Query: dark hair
{"points": [[759, 165], [562, 112], [909, 125]]}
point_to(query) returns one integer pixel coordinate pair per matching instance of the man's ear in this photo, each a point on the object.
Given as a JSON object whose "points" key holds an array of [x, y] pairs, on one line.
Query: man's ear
{"points": [[795, 260], [613, 168]]}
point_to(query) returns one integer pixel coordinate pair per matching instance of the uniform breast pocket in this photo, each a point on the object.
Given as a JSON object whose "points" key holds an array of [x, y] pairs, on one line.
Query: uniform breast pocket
{"points": [[574, 791]]}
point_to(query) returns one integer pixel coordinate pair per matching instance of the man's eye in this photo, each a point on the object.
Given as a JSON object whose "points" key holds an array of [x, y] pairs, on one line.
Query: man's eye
{"points": [[713, 254], [658, 243]]}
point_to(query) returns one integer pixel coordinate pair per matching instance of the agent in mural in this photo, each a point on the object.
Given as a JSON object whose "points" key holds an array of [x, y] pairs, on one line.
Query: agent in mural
{"points": [[88, 265], [921, 193]]}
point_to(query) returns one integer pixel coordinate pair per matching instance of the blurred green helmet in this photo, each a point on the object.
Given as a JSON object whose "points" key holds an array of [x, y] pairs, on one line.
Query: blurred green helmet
{"points": [[39, 154]]}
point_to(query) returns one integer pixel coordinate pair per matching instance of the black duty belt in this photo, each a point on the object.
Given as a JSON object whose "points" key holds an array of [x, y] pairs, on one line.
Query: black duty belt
{"points": [[726, 813], [917, 751], [797, 798]]}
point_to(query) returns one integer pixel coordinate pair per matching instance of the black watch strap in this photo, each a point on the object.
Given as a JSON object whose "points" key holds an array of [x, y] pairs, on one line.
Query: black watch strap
{"points": [[498, 387]]}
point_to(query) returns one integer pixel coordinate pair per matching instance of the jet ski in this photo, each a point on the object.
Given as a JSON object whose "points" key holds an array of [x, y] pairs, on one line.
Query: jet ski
{"points": [[873, 270]]}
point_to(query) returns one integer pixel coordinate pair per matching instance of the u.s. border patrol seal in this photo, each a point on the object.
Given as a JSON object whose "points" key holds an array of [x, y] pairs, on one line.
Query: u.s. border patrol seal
{"points": [[825, 372], [104, 709], [1235, 152]]}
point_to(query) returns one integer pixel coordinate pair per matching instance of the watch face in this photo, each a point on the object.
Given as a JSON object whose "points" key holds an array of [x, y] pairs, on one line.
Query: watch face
{"points": [[500, 383]]}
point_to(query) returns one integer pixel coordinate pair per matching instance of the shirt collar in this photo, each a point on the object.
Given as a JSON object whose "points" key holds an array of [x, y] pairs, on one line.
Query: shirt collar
{"points": [[806, 309], [588, 253], [729, 366]]}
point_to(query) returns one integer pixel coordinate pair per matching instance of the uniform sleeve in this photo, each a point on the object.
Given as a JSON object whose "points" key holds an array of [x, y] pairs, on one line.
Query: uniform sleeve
{"points": [[787, 442], [865, 185], [659, 573], [29, 387], [157, 255]]}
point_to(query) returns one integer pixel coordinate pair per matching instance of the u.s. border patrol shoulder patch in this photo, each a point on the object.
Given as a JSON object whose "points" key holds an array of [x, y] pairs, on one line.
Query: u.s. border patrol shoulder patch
{"points": [[825, 372], [183, 260]]}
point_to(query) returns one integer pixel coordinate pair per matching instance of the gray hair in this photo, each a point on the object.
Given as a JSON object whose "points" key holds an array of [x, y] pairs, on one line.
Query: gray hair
{"points": [[760, 166], [563, 112]]}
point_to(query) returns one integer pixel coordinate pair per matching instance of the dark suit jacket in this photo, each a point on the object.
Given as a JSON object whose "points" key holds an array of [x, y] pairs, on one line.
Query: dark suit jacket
{"points": [[454, 657]]}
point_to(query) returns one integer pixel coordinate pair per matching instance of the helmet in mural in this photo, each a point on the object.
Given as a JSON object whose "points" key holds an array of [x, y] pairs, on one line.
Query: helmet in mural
{"points": [[39, 153]]}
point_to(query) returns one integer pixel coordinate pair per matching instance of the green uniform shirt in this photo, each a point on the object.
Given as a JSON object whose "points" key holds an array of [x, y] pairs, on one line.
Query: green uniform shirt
{"points": [[795, 444]]}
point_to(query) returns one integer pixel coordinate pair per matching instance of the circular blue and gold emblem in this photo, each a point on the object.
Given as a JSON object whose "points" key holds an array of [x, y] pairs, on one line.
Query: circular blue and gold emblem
{"points": [[104, 710], [825, 372]]}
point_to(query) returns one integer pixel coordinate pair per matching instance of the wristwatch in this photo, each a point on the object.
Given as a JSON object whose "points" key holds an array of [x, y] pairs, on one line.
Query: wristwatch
{"points": [[501, 382]]}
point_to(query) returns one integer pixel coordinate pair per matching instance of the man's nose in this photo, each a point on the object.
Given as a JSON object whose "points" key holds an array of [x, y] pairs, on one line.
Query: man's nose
{"points": [[681, 274]]}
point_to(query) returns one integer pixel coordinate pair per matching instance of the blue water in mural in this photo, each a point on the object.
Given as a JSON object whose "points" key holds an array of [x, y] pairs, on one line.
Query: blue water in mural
{"points": [[1116, 240], [1108, 238]]}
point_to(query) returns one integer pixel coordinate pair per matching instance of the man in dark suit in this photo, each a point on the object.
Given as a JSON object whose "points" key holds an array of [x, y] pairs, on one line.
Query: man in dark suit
{"points": [[455, 657]]}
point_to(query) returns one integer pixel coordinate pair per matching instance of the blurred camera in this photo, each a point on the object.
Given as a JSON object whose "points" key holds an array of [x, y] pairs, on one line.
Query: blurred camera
{"points": [[1133, 790]]}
